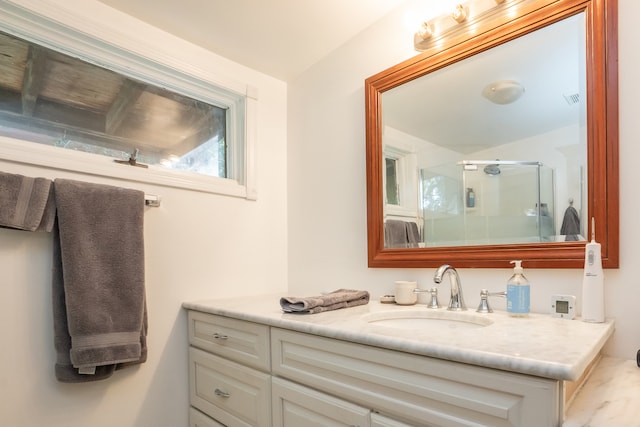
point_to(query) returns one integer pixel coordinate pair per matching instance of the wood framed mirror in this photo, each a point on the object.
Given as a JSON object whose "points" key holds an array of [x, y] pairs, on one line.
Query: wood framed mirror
{"points": [[510, 21]]}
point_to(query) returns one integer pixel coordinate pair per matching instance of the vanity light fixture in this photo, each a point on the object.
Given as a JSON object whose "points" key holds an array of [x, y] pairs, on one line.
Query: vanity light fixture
{"points": [[503, 92], [460, 13], [463, 14]]}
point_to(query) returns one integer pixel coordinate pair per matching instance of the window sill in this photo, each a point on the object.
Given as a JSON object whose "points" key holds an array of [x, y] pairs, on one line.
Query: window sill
{"points": [[92, 164]]}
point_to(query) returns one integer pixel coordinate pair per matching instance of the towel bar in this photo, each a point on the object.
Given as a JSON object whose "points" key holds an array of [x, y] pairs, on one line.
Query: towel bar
{"points": [[152, 200]]}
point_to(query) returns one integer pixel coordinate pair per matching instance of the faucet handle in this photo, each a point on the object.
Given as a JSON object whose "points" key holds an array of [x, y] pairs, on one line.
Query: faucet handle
{"points": [[433, 293], [484, 306], [433, 302]]}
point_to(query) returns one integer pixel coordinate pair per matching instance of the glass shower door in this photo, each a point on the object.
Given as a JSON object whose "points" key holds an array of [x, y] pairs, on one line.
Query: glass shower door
{"points": [[487, 202]]}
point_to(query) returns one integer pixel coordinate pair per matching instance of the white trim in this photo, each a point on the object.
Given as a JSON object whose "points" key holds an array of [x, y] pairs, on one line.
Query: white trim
{"points": [[406, 174], [144, 54], [250, 144], [18, 151]]}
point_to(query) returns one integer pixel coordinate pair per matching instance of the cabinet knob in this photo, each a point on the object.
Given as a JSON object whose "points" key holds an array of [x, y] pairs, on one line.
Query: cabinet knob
{"points": [[221, 393], [220, 336]]}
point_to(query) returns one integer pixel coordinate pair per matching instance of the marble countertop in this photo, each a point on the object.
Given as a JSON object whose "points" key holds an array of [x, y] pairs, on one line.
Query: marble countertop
{"points": [[536, 345], [608, 398]]}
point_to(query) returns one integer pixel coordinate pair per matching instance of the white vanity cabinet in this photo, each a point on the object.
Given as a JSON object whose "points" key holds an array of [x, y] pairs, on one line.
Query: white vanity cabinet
{"points": [[515, 372], [229, 372], [413, 389], [248, 374]]}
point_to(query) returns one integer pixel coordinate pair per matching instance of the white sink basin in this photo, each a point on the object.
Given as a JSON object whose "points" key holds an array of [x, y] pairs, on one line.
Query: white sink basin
{"points": [[426, 318]]}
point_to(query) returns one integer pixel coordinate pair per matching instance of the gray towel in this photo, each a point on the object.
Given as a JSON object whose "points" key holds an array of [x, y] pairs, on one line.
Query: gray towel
{"points": [[64, 370], [413, 235], [341, 298], [98, 285], [395, 234], [401, 234], [570, 224], [26, 203]]}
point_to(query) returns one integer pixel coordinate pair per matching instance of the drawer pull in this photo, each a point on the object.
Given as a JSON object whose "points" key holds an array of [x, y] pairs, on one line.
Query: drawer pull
{"points": [[221, 393], [220, 336]]}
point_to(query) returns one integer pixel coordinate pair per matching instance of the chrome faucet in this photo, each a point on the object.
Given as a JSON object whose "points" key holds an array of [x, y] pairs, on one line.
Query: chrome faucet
{"points": [[457, 300]]}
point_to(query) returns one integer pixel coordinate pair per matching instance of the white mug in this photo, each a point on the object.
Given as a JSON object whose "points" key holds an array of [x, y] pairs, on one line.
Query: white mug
{"points": [[404, 294]]}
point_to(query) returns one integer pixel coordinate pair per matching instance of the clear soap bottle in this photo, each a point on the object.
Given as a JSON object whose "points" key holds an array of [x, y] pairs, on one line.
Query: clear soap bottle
{"points": [[518, 292]]}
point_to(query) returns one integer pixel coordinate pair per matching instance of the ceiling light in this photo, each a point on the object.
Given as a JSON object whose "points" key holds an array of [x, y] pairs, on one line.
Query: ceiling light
{"points": [[503, 92]]}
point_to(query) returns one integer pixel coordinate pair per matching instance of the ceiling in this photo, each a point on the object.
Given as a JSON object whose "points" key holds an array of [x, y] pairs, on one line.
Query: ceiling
{"points": [[281, 38]]}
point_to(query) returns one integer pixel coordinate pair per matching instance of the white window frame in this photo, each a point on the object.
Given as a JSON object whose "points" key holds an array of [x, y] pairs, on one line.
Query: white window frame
{"points": [[404, 152], [59, 26]]}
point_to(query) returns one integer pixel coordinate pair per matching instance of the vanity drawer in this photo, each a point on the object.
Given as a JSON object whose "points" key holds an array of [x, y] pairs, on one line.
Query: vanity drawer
{"points": [[198, 419], [415, 389], [233, 394], [238, 340]]}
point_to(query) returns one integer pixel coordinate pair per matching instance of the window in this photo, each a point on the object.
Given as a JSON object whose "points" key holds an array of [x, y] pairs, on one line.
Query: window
{"points": [[400, 180], [183, 131], [393, 189]]}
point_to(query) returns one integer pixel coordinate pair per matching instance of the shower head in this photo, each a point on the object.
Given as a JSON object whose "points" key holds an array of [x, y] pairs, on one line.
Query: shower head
{"points": [[492, 170]]}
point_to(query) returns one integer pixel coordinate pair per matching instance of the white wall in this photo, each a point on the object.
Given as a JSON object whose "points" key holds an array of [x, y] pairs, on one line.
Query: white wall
{"points": [[197, 246], [327, 201]]}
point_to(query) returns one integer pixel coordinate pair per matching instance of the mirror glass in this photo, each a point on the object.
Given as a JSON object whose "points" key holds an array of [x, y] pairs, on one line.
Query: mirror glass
{"points": [[494, 146], [498, 142]]}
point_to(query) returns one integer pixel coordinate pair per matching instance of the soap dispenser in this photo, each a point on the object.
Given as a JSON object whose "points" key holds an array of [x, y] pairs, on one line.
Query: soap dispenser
{"points": [[471, 198], [518, 292]]}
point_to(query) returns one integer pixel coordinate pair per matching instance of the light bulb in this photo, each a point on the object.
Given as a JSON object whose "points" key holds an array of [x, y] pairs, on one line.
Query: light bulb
{"points": [[460, 13]]}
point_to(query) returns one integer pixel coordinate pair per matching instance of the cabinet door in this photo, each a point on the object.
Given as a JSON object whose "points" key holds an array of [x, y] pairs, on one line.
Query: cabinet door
{"points": [[416, 389], [295, 406], [198, 419], [378, 420]]}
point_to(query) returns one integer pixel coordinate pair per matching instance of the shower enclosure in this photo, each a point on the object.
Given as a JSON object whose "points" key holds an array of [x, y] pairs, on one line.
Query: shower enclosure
{"points": [[478, 202]]}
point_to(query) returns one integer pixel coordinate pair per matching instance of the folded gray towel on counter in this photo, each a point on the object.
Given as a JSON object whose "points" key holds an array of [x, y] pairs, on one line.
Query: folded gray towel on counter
{"points": [[100, 313], [26, 203], [341, 298]]}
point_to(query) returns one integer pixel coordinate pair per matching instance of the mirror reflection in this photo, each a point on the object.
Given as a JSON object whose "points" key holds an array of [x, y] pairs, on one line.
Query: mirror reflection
{"points": [[491, 149]]}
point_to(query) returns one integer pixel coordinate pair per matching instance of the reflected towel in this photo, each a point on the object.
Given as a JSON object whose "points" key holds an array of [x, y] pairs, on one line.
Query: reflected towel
{"points": [[98, 285], [395, 234], [341, 298], [413, 235], [401, 234], [26, 203], [570, 224]]}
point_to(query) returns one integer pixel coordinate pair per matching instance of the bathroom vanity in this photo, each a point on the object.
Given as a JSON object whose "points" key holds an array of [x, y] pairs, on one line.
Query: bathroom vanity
{"points": [[382, 365]]}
